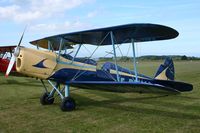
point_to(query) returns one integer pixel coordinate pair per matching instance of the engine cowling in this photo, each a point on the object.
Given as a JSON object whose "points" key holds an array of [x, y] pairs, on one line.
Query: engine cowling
{"points": [[36, 63]]}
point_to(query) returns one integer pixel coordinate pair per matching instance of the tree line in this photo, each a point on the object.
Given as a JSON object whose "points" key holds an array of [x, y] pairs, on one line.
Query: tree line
{"points": [[152, 57]]}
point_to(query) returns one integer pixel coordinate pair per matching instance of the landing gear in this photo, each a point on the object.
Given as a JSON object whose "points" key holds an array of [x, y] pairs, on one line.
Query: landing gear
{"points": [[68, 104], [45, 99]]}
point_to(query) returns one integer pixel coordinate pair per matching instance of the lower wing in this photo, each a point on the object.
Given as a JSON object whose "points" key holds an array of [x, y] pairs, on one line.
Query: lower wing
{"points": [[123, 86]]}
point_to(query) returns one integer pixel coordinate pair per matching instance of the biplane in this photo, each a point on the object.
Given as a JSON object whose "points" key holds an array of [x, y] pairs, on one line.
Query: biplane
{"points": [[5, 56], [62, 68]]}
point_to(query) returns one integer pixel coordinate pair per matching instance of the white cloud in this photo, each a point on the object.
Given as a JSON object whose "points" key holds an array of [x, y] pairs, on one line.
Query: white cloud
{"points": [[92, 14], [66, 26], [135, 6], [32, 10], [44, 27], [14, 13], [9, 11]]}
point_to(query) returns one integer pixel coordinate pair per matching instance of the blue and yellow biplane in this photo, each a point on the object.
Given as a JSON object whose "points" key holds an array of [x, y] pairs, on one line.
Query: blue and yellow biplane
{"points": [[62, 68]]}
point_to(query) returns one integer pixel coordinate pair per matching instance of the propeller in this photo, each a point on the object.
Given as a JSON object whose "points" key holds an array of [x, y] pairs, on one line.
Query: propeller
{"points": [[10, 66], [14, 56]]}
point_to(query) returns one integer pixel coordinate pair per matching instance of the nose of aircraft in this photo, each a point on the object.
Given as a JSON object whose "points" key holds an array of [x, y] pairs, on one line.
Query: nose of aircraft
{"points": [[36, 63], [31, 62]]}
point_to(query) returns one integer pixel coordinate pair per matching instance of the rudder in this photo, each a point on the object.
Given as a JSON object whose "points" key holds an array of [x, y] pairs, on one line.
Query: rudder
{"points": [[166, 71]]}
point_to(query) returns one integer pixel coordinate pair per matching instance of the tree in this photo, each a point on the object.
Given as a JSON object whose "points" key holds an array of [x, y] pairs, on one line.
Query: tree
{"points": [[184, 57]]}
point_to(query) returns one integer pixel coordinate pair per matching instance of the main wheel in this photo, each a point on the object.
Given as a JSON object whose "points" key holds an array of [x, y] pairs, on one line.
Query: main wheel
{"points": [[68, 104], [46, 100]]}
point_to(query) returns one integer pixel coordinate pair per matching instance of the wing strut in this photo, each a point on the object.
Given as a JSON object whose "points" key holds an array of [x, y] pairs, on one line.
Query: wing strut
{"points": [[115, 57], [49, 45], [60, 48], [37, 46], [134, 60], [79, 46]]}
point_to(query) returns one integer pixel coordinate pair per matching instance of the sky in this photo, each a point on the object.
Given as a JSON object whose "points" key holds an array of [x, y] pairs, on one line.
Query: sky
{"points": [[50, 17]]}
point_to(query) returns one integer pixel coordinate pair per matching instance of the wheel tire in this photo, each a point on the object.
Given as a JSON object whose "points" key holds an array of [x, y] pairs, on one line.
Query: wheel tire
{"points": [[46, 100], [68, 104]]}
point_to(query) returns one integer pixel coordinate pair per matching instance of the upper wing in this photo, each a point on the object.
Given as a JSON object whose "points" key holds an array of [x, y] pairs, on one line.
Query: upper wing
{"points": [[43, 43], [122, 34], [4, 49]]}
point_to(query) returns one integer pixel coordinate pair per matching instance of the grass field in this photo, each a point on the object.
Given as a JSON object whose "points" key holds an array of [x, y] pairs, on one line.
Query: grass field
{"points": [[98, 111]]}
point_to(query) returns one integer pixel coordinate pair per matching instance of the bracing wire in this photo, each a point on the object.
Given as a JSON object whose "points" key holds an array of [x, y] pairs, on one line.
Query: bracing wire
{"points": [[87, 49], [120, 51], [137, 52], [79, 74], [112, 50], [128, 50], [118, 46]]}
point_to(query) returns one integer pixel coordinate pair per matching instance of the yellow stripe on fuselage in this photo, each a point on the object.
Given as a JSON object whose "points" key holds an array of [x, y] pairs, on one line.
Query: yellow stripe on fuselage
{"points": [[124, 74], [68, 64]]}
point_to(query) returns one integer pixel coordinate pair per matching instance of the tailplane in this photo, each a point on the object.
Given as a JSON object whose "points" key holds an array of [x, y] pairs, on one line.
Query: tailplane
{"points": [[166, 71]]}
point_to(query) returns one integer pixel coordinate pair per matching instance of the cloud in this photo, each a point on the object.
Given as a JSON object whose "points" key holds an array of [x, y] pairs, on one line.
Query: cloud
{"points": [[135, 6], [14, 13], [34, 10], [92, 14], [67, 26]]}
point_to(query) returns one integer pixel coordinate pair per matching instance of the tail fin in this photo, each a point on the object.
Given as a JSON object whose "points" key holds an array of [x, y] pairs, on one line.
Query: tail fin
{"points": [[166, 71]]}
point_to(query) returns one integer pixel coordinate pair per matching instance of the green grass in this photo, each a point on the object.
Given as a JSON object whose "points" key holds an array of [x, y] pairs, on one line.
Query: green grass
{"points": [[98, 111]]}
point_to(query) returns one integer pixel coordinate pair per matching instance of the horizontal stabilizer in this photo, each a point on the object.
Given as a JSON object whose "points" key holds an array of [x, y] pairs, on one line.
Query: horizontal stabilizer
{"points": [[180, 86]]}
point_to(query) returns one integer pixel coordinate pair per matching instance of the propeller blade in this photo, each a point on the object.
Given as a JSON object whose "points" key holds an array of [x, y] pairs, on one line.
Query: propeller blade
{"points": [[21, 37], [14, 55], [10, 66]]}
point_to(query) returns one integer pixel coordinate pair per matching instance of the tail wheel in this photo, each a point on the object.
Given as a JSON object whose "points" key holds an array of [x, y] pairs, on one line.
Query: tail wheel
{"points": [[68, 104], [46, 100]]}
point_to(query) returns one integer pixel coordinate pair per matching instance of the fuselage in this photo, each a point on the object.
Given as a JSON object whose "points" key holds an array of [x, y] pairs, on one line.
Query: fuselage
{"points": [[48, 65], [84, 73]]}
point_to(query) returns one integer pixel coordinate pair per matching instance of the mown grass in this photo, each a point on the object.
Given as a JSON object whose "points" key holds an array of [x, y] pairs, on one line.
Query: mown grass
{"points": [[98, 111]]}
